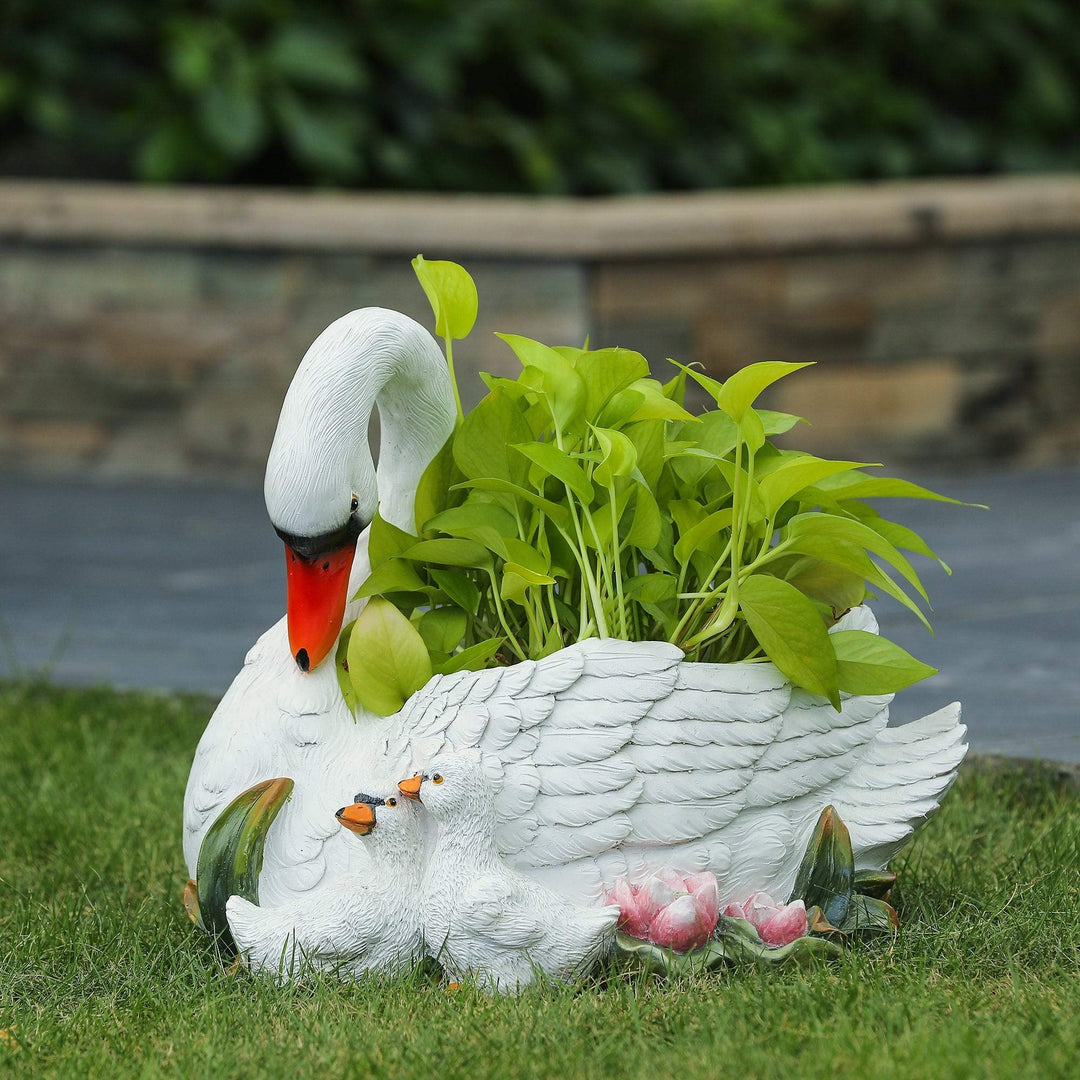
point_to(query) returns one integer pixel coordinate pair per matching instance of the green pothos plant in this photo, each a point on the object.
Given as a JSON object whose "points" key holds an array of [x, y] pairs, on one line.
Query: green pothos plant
{"points": [[582, 499]]}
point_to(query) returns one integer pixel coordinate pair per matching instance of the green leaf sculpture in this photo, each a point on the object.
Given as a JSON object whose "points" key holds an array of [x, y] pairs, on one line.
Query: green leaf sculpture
{"points": [[826, 875], [231, 854]]}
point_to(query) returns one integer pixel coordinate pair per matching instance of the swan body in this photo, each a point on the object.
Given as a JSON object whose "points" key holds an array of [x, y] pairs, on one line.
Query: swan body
{"points": [[347, 927], [481, 918], [608, 758]]}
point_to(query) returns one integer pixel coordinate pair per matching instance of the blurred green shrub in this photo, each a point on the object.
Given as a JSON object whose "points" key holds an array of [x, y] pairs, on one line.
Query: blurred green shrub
{"points": [[569, 96]]}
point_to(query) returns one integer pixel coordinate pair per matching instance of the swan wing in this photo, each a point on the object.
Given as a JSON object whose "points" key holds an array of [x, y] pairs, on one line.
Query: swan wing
{"points": [[614, 758]]}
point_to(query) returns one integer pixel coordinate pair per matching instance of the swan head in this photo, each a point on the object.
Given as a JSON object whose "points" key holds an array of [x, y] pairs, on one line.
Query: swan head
{"points": [[321, 488]]}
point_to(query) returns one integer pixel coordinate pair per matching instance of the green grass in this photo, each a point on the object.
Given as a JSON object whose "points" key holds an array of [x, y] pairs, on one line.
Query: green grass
{"points": [[101, 974]]}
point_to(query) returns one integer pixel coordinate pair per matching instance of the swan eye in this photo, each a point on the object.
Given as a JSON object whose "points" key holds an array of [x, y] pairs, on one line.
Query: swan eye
{"points": [[437, 778], [354, 505], [391, 802]]}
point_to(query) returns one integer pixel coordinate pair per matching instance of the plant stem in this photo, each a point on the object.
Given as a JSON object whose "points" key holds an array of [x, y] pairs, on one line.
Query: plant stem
{"points": [[453, 378]]}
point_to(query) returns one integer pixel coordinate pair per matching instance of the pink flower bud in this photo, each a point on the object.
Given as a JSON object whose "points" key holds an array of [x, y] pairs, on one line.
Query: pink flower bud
{"points": [[706, 891], [786, 925], [759, 908], [680, 926]]}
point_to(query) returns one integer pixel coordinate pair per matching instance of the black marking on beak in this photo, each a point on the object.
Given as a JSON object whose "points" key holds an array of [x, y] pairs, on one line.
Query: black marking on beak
{"points": [[302, 661]]}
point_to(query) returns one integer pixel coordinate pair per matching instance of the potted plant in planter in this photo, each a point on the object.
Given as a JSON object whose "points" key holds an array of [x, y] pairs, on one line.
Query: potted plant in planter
{"points": [[650, 623]]}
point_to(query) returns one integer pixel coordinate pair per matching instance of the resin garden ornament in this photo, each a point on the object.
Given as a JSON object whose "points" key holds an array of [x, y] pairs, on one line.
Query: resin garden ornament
{"points": [[648, 626]]}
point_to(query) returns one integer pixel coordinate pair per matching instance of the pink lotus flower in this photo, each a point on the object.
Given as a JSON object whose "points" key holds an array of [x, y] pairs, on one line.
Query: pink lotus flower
{"points": [[777, 924], [675, 911]]}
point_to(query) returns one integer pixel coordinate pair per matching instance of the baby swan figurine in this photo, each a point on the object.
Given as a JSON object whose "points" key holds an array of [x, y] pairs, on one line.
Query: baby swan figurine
{"points": [[351, 926], [480, 917]]}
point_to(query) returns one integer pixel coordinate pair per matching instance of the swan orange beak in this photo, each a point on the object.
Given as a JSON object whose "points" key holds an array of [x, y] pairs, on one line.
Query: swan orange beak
{"points": [[317, 591], [411, 788], [358, 818]]}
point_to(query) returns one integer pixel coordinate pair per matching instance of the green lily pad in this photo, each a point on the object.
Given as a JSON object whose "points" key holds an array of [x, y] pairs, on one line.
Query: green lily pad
{"points": [[875, 883], [231, 854], [868, 916]]}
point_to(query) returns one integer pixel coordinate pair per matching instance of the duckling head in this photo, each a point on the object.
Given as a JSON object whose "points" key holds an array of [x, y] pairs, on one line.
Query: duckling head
{"points": [[451, 784], [392, 816]]}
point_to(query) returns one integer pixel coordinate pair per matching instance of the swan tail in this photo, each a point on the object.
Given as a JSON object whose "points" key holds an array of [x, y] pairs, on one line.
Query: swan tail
{"points": [[899, 783]]}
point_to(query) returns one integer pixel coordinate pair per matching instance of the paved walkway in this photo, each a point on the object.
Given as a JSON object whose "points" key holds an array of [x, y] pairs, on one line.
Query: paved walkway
{"points": [[166, 585]]}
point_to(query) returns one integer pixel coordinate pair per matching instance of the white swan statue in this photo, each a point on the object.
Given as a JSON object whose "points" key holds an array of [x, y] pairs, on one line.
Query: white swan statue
{"points": [[616, 758]]}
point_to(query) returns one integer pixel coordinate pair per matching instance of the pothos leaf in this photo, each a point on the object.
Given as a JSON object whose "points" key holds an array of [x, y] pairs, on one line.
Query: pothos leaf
{"points": [[388, 660], [471, 659], [451, 292], [790, 630], [869, 664]]}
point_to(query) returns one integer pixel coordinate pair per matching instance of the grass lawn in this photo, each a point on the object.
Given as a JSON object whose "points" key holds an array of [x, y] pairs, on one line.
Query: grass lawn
{"points": [[101, 974]]}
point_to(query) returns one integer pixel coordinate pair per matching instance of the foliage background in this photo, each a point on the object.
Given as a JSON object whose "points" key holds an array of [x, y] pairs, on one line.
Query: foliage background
{"points": [[555, 96]]}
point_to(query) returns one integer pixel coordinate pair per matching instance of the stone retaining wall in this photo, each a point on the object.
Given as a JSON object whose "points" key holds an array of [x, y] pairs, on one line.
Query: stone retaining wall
{"points": [[153, 331]]}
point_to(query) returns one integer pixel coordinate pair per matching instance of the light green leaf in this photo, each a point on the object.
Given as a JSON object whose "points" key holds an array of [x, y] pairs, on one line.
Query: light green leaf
{"points": [[451, 292], [826, 582], [831, 527], [393, 575], [516, 579], [898, 535], [645, 529], [620, 408], [606, 372], [620, 455], [752, 430], [657, 405], [558, 463], [868, 664], [859, 486], [482, 442], [559, 514], [388, 660], [560, 383], [341, 667], [450, 552], [795, 473], [776, 423], [651, 588], [694, 538], [855, 558], [741, 389], [517, 551], [433, 492], [386, 541], [473, 514], [790, 630], [458, 587], [471, 659], [442, 628], [530, 576]]}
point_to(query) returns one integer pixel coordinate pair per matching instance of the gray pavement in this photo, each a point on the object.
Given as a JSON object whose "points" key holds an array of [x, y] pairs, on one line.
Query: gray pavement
{"points": [[166, 585]]}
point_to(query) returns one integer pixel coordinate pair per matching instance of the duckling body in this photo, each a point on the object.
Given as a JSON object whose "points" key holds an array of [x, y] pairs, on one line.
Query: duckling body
{"points": [[348, 927], [483, 919]]}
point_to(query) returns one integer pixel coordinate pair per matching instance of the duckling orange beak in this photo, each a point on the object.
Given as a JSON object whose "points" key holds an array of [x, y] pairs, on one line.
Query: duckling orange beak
{"points": [[411, 788], [358, 818], [317, 590]]}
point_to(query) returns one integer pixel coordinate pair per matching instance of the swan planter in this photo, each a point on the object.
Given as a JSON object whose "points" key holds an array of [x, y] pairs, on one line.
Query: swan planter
{"points": [[572, 673]]}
